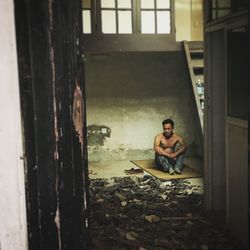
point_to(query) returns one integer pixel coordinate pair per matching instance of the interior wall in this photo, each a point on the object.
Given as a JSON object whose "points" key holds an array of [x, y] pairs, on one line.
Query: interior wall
{"points": [[189, 20], [128, 96], [197, 20], [214, 122], [13, 228], [237, 134]]}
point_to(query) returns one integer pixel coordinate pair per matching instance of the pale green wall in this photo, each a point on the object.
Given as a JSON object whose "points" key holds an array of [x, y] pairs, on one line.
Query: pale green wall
{"points": [[128, 96]]}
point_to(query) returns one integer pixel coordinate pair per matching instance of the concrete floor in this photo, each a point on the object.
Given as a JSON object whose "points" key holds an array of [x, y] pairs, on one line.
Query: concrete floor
{"points": [[109, 169]]}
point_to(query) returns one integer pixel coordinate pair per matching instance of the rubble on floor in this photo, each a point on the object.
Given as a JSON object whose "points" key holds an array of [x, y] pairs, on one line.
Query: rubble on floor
{"points": [[132, 213]]}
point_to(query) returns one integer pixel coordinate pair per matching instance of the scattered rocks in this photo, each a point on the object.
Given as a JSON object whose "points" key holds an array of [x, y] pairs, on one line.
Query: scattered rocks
{"points": [[152, 218], [131, 236], [132, 213]]}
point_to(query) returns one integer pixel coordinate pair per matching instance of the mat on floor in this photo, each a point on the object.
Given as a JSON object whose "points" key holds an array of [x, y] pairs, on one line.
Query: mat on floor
{"points": [[149, 166]]}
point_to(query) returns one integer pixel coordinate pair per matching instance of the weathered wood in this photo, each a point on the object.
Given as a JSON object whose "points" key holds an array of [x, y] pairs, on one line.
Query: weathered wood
{"points": [[28, 122], [58, 190]]}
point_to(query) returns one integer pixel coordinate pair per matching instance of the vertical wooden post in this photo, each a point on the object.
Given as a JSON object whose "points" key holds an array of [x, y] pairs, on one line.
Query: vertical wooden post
{"points": [[50, 62]]}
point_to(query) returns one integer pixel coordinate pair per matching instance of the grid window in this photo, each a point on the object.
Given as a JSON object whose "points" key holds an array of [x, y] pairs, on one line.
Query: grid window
{"points": [[147, 22], [155, 17], [86, 20], [163, 22], [163, 4], [126, 16], [116, 16], [109, 21], [220, 8], [86, 16], [108, 3], [124, 22]]}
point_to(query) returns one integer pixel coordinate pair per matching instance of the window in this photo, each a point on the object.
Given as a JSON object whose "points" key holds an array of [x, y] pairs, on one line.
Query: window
{"points": [[220, 8], [237, 73], [126, 16], [86, 16], [116, 16], [155, 16]]}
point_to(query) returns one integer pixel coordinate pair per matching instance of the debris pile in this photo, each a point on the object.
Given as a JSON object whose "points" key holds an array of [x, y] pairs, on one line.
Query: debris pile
{"points": [[132, 213]]}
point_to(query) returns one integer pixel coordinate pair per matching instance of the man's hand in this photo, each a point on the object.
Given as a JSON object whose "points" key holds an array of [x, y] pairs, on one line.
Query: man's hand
{"points": [[173, 156]]}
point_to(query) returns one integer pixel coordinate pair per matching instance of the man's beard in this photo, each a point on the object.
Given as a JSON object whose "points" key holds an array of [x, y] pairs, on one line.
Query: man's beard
{"points": [[168, 135]]}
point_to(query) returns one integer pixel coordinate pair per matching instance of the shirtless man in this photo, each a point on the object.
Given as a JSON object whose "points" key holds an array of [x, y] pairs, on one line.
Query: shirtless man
{"points": [[169, 149]]}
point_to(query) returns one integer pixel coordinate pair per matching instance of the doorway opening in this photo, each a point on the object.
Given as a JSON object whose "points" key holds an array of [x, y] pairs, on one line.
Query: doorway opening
{"points": [[134, 82]]}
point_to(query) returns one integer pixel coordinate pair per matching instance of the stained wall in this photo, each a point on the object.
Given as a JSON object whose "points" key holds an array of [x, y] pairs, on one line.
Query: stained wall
{"points": [[128, 96]]}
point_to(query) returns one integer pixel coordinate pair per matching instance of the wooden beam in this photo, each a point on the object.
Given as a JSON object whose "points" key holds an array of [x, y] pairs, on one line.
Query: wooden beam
{"points": [[57, 171]]}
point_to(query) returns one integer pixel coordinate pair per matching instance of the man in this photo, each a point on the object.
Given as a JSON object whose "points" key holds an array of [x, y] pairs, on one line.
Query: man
{"points": [[169, 149]]}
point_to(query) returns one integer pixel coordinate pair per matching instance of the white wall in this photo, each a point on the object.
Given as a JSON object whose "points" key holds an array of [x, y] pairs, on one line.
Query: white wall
{"points": [[13, 226]]}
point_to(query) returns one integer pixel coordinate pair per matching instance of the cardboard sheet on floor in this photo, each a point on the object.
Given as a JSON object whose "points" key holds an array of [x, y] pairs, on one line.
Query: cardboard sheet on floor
{"points": [[149, 166]]}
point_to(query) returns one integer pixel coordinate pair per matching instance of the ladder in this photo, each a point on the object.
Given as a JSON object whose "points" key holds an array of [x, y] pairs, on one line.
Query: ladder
{"points": [[195, 60]]}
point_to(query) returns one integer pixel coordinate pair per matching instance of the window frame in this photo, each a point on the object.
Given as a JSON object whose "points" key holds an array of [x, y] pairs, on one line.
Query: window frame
{"points": [[155, 10], [96, 22], [116, 9], [215, 9]]}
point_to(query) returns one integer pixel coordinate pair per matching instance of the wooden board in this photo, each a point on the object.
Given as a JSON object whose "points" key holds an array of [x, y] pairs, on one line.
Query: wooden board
{"points": [[149, 166]]}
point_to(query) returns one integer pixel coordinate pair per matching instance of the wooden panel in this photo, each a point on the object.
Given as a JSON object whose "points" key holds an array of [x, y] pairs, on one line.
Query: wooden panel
{"points": [[28, 122], [121, 43], [56, 157], [237, 181]]}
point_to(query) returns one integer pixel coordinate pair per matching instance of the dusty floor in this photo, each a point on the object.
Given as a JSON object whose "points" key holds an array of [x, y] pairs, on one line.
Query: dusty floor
{"points": [[138, 211], [108, 169]]}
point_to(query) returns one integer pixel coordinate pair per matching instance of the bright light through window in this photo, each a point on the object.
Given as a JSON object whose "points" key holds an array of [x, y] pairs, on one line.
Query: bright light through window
{"points": [[147, 4], [108, 22], [128, 16], [163, 4], [163, 22], [124, 4], [86, 20], [148, 22], [124, 22], [108, 3]]}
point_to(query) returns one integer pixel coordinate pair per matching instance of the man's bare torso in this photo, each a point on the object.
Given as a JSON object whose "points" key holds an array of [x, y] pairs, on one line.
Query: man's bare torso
{"points": [[168, 144]]}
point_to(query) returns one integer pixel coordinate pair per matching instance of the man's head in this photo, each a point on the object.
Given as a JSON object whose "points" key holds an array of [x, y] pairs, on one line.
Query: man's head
{"points": [[168, 127]]}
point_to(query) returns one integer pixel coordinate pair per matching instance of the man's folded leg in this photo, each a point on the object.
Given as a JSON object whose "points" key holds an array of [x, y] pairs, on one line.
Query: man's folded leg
{"points": [[178, 164], [163, 164]]}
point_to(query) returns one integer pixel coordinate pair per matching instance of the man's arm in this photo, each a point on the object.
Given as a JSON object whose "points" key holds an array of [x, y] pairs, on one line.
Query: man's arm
{"points": [[181, 149], [158, 149]]}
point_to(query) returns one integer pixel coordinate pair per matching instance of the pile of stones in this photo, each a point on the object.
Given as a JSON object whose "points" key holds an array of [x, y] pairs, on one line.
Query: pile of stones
{"points": [[132, 213]]}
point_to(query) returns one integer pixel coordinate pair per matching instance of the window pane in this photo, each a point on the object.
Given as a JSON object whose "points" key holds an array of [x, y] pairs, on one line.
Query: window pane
{"points": [[108, 22], [108, 3], [124, 22], [214, 14], [147, 4], [147, 22], [86, 4], [237, 74], [222, 13], [224, 3], [124, 4], [163, 22], [163, 4], [86, 21]]}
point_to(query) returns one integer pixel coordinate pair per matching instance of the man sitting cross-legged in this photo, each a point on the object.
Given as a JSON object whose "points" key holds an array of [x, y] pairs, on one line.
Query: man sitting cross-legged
{"points": [[169, 149]]}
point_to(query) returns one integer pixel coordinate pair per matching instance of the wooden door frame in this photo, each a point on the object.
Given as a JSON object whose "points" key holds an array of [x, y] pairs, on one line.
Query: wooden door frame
{"points": [[51, 82]]}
